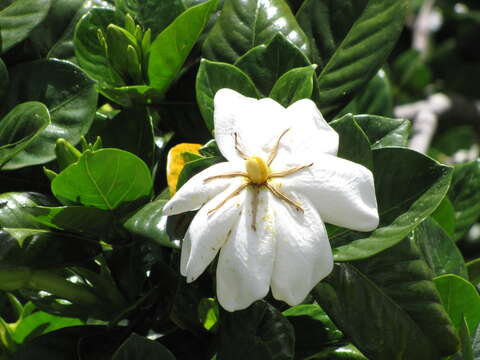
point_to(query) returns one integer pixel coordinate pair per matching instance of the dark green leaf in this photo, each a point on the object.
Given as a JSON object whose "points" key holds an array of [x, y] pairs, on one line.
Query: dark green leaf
{"points": [[130, 130], [409, 187], [19, 18], [70, 97], [213, 76], [388, 305], [137, 347], [384, 131], [259, 332], [445, 216], [410, 71], [20, 127], [14, 209], [89, 52], [3, 77], [354, 144], [265, 64], [439, 250], [473, 268], [194, 167], [313, 330], [171, 48], [460, 298], [465, 342], [376, 98], [150, 223], [294, 85], [126, 180], [363, 35], [465, 196], [245, 24]]}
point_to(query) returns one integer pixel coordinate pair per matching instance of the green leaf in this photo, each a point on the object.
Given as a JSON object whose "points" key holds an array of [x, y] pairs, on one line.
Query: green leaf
{"points": [[354, 144], [376, 98], [137, 347], [465, 196], [388, 305], [244, 24], [265, 64], [40, 323], [383, 131], [125, 181], [213, 76], [171, 48], [130, 130], [460, 298], [19, 18], [410, 71], [259, 332], [409, 187], [445, 216], [465, 342], [314, 331], [294, 85], [76, 219], [363, 35], [439, 250], [152, 14], [473, 268], [150, 223], [90, 52], [194, 167], [20, 127], [14, 206], [70, 97], [3, 77]]}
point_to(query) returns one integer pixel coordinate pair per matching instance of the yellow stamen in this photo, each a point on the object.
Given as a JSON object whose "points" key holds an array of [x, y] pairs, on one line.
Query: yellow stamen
{"points": [[257, 170]]}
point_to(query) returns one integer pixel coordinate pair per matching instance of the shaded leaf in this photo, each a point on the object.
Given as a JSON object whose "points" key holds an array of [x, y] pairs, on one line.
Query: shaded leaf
{"points": [[137, 347]]}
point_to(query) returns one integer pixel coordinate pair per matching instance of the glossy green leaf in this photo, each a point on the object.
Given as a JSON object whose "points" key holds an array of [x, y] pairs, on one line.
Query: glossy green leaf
{"points": [[294, 85], [409, 187], [20, 127], [244, 24], [152, 14], [61, 14], [77, 219], [194, 167], [401, 312], [460, 298], [376, 98], [213, 76], [70, 97], [89, 52], [363, 35], [137, 347], [465, 196], [14, 206], [439, 250], [171, 48], [40, 323], [384, 131], [259, 332], [354, 144], [314, 331], [19, 18], [130, 130], [90, 182], [445, 216], [265, 64], [150, 223]]}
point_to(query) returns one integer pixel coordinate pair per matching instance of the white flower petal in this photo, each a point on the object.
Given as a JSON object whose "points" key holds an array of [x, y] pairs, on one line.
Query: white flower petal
{"points": [[196, 192], [258, 123], [342, 191], [303, 255], [309, 134], [207, 233], [246, 260]]}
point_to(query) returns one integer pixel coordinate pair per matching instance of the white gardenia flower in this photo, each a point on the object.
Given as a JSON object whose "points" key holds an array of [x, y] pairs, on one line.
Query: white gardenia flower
{"points": [[264, 208]]}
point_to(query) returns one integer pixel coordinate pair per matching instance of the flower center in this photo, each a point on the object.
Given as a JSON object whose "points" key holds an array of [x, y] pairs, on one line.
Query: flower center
{"points": [[257, 170]]}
